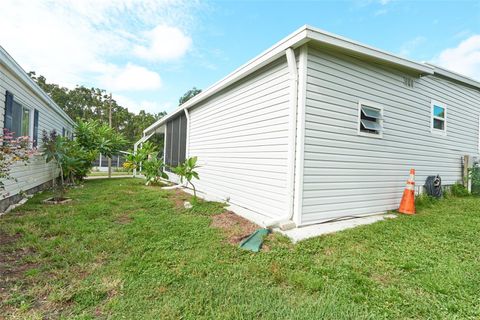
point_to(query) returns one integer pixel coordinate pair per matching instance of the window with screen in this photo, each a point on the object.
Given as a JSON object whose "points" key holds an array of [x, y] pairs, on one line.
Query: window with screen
{"points": [[176, 141], [370, 120]]}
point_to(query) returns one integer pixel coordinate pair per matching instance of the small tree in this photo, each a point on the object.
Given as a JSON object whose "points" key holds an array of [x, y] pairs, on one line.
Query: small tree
{"points": [[95, 139], [135, 160], [187, 172], [52, 148], [153, 169]]}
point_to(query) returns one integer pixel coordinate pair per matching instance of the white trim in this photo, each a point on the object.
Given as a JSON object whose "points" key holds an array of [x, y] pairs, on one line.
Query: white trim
{"points": [[292, 127], [295, 40], [300, 139], [187, 138], [164, 142], [15, 68], [454, 76], [479, 134], [21, 102], [432, 116], [372, 105], [333, 40]]}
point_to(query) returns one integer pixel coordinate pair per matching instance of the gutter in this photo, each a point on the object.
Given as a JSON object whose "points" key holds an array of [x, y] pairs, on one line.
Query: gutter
{"points": [[294, 40]]}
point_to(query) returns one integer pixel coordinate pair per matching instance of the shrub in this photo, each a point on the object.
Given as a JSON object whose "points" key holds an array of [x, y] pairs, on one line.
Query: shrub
{"points": [[153, 169], [424, 201], [135, 160], [12, 150], [475, 176], [187, 172], [95, 138], [458, 190]]}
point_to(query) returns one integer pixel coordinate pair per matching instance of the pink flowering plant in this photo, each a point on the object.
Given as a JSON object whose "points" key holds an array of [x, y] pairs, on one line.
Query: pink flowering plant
{"points": [[12, 150]]}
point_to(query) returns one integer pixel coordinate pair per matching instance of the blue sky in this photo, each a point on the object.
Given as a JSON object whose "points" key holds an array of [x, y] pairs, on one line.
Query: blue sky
{"points": [[148, 53]]}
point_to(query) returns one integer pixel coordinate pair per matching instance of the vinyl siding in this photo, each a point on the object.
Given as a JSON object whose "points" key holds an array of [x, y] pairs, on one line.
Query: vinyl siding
{"points": [[240, 137], [36, 172], [346, 174]]}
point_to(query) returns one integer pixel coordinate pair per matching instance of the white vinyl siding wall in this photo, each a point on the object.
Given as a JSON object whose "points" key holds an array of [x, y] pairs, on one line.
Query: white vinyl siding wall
{"points": [[347, 174], [241, 139], [37, 171]]}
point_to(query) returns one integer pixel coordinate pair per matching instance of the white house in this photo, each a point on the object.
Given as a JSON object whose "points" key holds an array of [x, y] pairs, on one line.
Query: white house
{"points": [[320, 127], [27, 110]]}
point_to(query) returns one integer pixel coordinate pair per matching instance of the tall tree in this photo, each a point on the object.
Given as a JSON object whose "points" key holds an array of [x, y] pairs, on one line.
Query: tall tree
{"points": [[188, 95], [82, 103]]}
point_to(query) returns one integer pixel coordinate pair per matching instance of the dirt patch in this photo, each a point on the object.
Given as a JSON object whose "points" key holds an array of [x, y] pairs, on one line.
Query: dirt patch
{"points": [[8, 239], [179, 197], [12, 267], [235, 227], [124, 218], [383, 279]]}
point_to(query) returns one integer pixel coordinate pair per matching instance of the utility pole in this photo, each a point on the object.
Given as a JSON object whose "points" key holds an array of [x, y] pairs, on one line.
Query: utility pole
{"points": [[110, 124]]}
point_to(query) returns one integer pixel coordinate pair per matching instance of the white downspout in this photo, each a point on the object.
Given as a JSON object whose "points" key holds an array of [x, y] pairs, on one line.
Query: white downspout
{"points": [[292, 129], [187, 142]]}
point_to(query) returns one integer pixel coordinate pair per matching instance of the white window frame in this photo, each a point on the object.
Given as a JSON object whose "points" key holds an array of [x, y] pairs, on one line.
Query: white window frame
{"points": [[434, 103], [359, 116], [30, 116]]}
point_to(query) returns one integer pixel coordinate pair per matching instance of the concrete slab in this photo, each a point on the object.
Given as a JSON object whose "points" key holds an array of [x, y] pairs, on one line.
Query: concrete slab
{"points": [[299, 234]]}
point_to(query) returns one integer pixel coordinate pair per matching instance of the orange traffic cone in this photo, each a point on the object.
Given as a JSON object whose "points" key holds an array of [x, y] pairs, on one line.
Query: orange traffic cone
{"points": [[407, 205]]}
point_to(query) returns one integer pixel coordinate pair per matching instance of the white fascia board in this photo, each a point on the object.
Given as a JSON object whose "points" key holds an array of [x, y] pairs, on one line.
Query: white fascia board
{"points": [[454, 76], [294, 40], [328, 38], [17, 70]]}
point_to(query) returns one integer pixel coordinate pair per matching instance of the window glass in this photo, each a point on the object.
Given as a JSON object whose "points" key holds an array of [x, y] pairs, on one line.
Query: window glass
{"points": [[17, 115], [370, 120], [438, 124], [438, 111], [20, 120], [26, 122]]}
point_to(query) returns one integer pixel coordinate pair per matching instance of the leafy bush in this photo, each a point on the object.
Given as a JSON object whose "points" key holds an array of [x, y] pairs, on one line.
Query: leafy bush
{"points": [[93, 138], [475, 176], [424, 201], [458, 190], [12, 150], [187, 172], [153, 169], [135, 160]]}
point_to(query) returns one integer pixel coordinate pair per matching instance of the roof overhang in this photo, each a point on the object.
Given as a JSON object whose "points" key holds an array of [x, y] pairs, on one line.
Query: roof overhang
{"points": [[319, 37], [14, 68], [454, 76]]}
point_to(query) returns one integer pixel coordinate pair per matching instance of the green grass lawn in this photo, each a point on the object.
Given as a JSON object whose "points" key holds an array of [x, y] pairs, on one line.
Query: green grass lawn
{"points": [[105, 173], [122, 250]]}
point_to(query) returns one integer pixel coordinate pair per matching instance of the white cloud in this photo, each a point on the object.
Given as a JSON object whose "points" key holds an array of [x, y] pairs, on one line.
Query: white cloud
{"points": [[411, 45], [89, 42], [130, 78], [464, 58], [164, 43], [146, 105]]}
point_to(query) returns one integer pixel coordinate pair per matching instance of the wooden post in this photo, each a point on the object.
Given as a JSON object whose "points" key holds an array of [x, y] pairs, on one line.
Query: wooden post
{"points": [[110, 124], [466, 173]]}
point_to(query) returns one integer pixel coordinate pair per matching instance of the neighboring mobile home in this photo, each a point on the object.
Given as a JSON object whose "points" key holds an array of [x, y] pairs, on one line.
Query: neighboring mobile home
{"points": [[27, 110], [320, 127]]}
